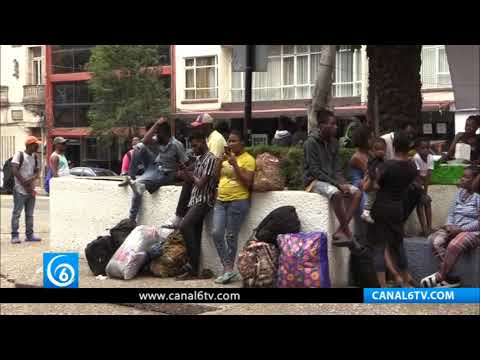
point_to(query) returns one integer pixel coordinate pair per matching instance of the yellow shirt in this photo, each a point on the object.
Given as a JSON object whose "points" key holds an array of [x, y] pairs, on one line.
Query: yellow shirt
{"points": [[229, 188], [216, 143]]}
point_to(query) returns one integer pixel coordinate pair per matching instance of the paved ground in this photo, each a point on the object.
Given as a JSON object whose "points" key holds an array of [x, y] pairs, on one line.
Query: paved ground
{"points": [[22, 265]]}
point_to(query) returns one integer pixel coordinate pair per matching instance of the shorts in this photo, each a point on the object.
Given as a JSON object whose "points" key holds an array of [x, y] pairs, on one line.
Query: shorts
{"points": [[328, 190]]}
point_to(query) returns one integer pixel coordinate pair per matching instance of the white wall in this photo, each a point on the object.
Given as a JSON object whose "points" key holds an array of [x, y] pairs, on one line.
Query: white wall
{"points": [[81, 210]]}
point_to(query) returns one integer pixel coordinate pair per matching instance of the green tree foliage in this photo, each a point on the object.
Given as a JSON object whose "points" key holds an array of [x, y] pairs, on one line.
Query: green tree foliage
{"points": [[127, 88]]}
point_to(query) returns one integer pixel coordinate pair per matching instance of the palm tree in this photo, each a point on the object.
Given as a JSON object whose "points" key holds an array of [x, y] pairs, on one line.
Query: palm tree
{"points": [[394, 90]]}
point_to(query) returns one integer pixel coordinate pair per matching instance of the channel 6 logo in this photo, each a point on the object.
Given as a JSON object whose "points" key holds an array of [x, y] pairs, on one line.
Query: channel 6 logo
{"points": [[60, 270]]}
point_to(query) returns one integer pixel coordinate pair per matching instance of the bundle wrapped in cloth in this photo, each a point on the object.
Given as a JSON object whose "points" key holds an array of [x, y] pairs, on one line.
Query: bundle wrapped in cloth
{"points": [[268, 176]]}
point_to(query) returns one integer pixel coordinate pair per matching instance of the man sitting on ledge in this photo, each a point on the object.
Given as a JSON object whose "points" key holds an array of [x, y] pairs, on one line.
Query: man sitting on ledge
{"points": [[323, 175], [168, 154]]}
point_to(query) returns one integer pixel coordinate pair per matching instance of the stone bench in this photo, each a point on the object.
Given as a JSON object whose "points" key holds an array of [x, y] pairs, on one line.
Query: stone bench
{"points": [[82, 209], [422, 262]]}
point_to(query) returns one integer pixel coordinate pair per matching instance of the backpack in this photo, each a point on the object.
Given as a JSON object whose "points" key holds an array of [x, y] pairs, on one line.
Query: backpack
{"points": [[257, 264], [362, 267], [8, 178], [173, 257], [283, 220], [120, 231], [98, 254]]}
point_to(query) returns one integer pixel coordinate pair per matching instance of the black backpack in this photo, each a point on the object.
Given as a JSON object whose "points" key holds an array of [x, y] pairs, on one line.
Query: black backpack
{"points": [[283, 220], [8, 178], [120, 231], [98, 254]]}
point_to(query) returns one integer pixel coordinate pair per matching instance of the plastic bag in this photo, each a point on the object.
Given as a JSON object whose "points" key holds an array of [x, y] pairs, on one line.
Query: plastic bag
{"points": [[132, 255], [268, 176]]}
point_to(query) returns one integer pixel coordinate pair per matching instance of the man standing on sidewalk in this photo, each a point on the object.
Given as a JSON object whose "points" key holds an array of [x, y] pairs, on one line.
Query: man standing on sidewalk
{"points": [[201, 202], [25, 169]]}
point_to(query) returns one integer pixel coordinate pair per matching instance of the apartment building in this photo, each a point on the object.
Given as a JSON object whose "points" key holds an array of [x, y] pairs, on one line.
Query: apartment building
{"points": [[67, 103], [22, 96], [203, 81]]}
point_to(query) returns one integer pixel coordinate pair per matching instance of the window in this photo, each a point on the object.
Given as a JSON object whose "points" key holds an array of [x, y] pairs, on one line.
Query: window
{"points": [[70, 58], [35, 70], [435, 72], [71, 102], [292, 71], [93, 151], [17, 115], [347, 75], [201, 78]]}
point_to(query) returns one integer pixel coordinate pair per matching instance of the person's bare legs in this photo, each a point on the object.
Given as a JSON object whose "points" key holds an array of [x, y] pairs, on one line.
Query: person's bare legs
{"points": [[421, 219], [428, 215], [382, 279], [392, 268], [338, 208], [354, 201]]}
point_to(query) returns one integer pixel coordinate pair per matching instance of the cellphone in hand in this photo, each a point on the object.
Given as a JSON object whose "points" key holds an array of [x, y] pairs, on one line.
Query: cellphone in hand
{"points": [[227, 150]]}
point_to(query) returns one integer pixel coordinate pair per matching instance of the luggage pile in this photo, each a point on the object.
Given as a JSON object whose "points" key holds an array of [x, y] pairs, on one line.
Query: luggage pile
{"points": [[279, 255], [130, 250]]}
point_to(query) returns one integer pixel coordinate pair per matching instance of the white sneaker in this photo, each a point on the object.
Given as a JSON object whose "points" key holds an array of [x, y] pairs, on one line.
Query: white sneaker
{"points": [[173, 223], [366, 217]]}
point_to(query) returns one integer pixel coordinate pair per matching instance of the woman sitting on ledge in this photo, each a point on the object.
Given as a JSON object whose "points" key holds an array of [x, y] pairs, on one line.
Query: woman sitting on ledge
{"points": [[460, 234]]}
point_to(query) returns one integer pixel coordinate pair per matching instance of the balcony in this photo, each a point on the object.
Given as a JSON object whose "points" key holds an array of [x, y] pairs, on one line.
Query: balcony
{"points": [[34, 94], [3, 96]]}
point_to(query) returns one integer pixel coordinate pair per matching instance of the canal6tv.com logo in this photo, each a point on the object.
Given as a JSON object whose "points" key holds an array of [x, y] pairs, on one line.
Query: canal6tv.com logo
{"points": [[60, 270]]}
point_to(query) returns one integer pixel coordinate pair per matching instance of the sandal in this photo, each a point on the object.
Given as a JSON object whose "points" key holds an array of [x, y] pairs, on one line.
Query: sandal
{"points": [[225, 278]]}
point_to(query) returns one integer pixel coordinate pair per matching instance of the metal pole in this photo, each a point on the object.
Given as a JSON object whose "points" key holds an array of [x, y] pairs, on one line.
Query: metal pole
{"points": [[248, 89]]}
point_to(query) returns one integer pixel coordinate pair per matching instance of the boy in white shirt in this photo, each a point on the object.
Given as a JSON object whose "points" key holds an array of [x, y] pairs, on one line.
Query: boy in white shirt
{"points": [[424, 161]]}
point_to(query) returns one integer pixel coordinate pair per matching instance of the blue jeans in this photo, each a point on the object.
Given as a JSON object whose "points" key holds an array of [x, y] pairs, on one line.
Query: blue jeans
{"points": [[151, 184], [228, 216], [21, 201]]}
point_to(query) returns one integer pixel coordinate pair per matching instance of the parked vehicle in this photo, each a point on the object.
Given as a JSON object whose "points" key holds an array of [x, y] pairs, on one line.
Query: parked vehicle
{"points": [[91, 171]]}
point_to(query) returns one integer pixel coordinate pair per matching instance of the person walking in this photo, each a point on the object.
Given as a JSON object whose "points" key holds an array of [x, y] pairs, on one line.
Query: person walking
{"points": [[25, 170], [394, 178], [235, 173]]}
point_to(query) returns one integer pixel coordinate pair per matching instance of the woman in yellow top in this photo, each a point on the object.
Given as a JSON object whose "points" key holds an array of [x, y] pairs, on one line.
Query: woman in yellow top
{"points": [[235, 173]]}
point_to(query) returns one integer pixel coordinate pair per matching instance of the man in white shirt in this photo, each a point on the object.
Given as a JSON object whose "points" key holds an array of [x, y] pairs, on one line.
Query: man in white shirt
{"points": [[25, 170], [408, 127]]}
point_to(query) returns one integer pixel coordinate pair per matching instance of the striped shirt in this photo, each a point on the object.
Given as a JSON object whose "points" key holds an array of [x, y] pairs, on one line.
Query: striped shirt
{"points": [[204, 165], [464, 211]]}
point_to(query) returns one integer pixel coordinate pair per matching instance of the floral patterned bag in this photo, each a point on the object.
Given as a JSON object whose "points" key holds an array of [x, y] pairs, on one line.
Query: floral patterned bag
{"points": [[303, 261]]}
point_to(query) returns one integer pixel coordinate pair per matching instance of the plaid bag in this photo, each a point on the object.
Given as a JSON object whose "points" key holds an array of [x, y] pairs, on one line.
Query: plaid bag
{"points": [[303, 261], [173, 257], [257, 264]]}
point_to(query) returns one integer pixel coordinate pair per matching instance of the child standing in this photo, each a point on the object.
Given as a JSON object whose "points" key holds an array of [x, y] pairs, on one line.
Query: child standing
{"points": [[424, 161], [379, 148]]}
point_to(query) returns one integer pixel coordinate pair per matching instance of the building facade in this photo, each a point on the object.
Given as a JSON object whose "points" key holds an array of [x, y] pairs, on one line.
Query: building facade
{"points": [[67, 103], [204, 81], [22, 96]]}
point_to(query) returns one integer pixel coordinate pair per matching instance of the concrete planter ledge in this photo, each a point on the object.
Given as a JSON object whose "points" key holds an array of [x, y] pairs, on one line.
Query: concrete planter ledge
{"points": [[82, 209]]}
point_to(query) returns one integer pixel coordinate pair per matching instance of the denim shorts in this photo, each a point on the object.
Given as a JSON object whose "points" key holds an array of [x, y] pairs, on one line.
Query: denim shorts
{"points": [[328, 190]]}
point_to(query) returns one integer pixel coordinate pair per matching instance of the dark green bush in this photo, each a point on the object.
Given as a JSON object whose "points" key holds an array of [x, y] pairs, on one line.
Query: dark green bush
{"points": [[292, 162]]}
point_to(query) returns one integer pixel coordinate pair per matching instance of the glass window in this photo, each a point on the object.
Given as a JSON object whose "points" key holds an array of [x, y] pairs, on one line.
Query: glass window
{"points": [[70, 58], [201, 78], [292, 71], [71, 102], [435, 71]]}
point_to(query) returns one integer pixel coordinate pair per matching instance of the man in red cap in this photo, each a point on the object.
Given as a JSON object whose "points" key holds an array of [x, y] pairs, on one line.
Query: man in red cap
{"points": [[25, 170]]}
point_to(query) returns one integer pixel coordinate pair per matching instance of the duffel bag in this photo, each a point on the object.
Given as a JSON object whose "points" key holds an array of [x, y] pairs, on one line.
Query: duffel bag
{"points": [[173, 256], [98, 254]]}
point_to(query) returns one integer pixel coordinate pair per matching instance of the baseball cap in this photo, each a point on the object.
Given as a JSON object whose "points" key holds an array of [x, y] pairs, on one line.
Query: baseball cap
{"points": [[32, 140], [202, 119], [59, 140]]}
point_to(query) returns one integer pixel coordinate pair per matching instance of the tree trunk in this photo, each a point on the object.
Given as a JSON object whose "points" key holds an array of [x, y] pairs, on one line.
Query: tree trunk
{"points": [[394, 91], [323, 86]]}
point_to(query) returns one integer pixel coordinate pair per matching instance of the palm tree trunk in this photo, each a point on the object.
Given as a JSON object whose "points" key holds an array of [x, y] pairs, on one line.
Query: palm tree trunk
{"points": [[323, 84], [394, 92]]}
